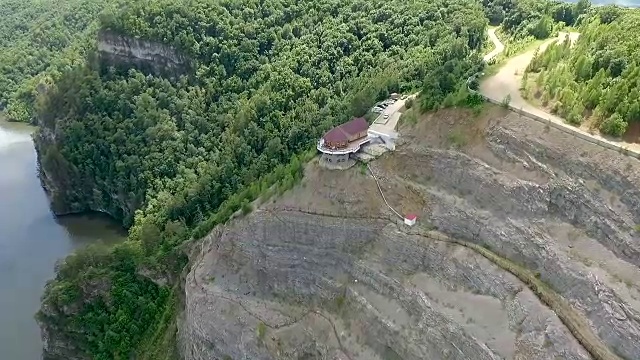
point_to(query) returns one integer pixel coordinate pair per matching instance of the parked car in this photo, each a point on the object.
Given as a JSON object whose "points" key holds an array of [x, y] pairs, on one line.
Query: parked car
{"points": [[383, 105], [386, 116], [404, 97], [377, 110]]}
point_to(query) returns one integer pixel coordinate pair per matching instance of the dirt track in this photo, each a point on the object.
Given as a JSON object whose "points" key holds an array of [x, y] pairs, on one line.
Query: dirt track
{"points": [[508, 79], [499, 47]]}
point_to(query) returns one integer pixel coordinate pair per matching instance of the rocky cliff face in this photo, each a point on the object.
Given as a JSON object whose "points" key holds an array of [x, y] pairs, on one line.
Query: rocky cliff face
{"points": [[329, 288], [325, 273], [126, 52], [70, 191]]}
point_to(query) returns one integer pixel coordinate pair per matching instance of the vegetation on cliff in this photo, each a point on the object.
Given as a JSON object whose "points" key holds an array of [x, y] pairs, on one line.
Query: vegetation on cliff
{"points": [[596, 78], [172, 158], [38, 41]]}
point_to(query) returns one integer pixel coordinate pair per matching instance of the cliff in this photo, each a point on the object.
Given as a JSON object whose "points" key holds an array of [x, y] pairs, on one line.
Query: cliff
{"points": [[74, 190], [70, 191], [325, 273], [121, 51]]}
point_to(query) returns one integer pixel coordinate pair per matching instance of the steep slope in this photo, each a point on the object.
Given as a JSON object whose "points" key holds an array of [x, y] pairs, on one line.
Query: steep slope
{"points": [[284, 284], [327, 256], [39, 40], [190, 110]]}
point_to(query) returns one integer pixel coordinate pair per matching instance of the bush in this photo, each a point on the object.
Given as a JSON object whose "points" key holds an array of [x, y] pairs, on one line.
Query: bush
{"points": [[614, 125], [506, 101], [261, 330], [246, 207], [408, 104], [456, 139]]}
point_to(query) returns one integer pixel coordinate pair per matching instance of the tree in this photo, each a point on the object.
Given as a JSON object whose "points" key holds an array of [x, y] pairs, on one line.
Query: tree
{"points": [[174, 155], [614, 125]]}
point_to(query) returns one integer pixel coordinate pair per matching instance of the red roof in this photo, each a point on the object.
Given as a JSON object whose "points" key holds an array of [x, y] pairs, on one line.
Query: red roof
{"points": [[356, 125], [342, 132], [335, 135], [411, 216]]}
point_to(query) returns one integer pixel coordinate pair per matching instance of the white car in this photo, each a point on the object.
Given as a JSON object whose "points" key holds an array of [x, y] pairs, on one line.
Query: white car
{"points": [[377, 110], [386, 116]]}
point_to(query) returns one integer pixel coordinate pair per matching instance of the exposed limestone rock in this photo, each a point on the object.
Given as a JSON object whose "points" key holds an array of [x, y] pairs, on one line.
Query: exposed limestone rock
{"points": [[328, 287], [151, 57], [382, 291]]}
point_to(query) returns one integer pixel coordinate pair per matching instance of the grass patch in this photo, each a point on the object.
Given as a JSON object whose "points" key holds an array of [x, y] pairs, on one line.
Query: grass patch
{"points": [[409, 117], [456, 139], [261, 330]]}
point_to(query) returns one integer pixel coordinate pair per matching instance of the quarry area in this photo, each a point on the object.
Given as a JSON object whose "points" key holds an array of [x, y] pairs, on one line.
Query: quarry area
{"points": [[326, 271]]}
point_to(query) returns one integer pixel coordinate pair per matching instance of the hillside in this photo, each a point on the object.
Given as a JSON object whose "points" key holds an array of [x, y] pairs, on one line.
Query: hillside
{"points": [[38, 41], [188, 111], [595, 82], [326, 271]]}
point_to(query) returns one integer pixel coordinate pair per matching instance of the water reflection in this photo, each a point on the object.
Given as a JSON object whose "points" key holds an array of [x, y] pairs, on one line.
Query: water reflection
{"points": [[31, 241]]}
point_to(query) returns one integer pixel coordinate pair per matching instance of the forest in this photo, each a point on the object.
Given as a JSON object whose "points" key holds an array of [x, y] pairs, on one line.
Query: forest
{"points": [[596, 80], [172, 157], [534, 18], [38, 41]]}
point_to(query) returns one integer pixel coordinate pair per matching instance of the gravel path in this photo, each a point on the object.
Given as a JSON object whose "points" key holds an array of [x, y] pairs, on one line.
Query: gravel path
{"points": [[496, 42], [507, 82]]}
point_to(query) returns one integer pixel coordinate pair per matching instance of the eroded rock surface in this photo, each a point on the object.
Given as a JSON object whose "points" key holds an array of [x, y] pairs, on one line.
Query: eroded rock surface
{"points": [[148, 56], [310, 277], [326, 273]]}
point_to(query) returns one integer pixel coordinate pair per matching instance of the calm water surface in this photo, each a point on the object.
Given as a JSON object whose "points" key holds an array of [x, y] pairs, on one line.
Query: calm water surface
{"points": [[31, 241]]}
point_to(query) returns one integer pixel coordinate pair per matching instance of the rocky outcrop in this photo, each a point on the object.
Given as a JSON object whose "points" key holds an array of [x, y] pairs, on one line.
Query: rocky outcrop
{"points": [[335, 279], [123, 51], [285, 285]]}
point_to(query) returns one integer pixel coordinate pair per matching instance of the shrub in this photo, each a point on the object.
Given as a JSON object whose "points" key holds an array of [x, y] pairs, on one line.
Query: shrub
{"points": [[408, 104], [614, 125], [246, 207], [506, 101], [261, 330], [456, 139]]}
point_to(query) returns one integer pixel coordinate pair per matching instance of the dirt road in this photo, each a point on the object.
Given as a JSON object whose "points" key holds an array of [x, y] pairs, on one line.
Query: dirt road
{"points": [[508, 79], [499, 47]]}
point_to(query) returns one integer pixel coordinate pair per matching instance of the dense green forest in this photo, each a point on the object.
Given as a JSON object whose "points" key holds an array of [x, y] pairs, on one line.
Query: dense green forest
{"points": [[38, 41], [598, 78], [173, 157]]}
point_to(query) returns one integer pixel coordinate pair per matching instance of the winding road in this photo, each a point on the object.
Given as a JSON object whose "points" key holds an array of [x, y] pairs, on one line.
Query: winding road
{"points": [[508, 79], [496, 43]]}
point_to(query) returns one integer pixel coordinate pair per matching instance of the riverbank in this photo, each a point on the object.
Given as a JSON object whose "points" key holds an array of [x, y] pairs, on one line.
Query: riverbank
{"points": [[32, 240]]}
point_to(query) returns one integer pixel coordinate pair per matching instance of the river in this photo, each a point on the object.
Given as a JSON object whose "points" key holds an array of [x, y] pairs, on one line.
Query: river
{"points": [[31, 241]]}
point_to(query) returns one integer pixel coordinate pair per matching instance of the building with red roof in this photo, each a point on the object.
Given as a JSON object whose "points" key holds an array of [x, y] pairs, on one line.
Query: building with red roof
{"points": [[340, 136], [343, 140]]}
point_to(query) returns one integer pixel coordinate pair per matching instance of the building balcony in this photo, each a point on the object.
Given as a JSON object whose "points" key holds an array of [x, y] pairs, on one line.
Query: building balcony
{"points": [[351, 147]]}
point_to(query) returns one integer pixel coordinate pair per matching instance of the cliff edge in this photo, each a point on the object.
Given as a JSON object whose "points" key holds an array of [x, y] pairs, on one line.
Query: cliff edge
{"points": [[326, 272], [125, 52]]}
